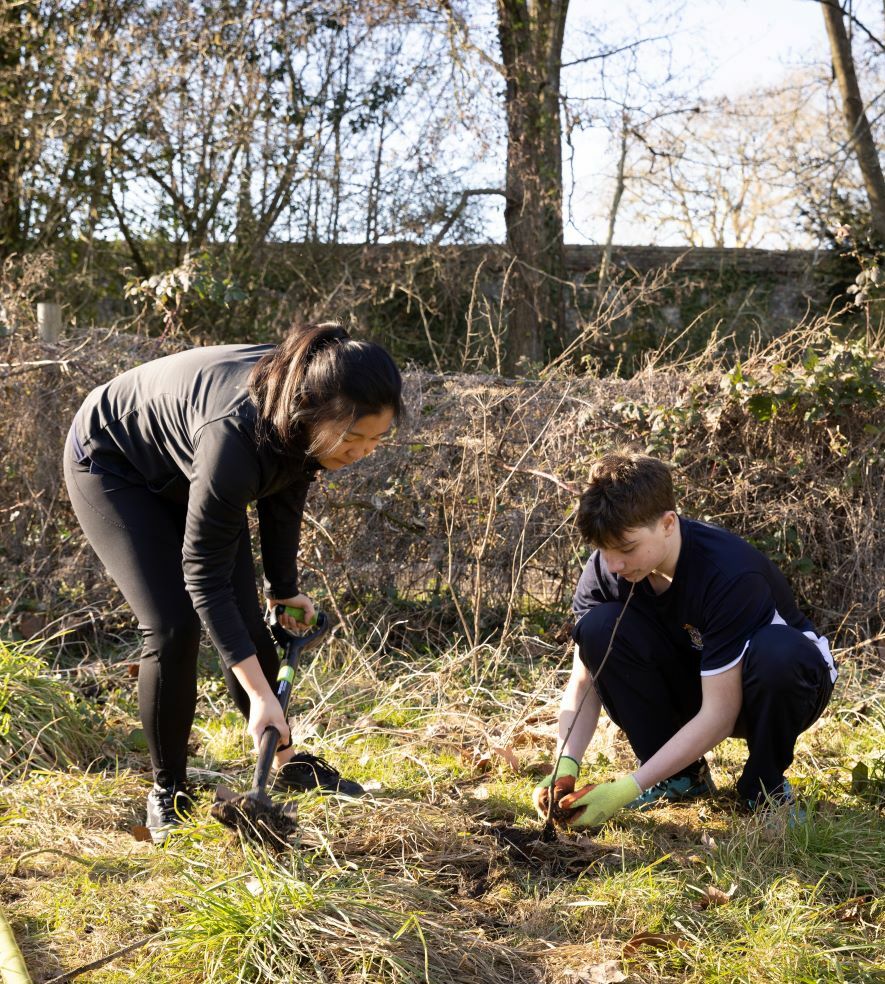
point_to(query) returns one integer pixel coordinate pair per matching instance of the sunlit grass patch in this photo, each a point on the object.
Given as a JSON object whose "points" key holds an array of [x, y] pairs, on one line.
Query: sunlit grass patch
{"points": [[839, 843], [222, 739], [72, 871], [47, 800], [301, 921], [776, 930], [633, 893], [44, 723], [428, 842], [444, 851]]}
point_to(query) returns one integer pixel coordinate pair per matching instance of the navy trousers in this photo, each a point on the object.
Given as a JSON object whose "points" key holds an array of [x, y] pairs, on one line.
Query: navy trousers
{"points": [[138, 536], [650, 687]]}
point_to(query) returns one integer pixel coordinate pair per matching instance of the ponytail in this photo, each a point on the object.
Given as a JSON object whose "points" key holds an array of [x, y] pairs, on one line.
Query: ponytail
{"points": [[319, 373]]}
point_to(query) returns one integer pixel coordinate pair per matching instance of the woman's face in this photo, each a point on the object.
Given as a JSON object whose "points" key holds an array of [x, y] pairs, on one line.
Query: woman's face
{"points": [[340, 443]]}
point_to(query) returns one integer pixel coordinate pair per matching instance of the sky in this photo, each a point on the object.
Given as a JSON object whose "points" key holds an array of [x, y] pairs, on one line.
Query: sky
{"points": [[752, 42], [722, 48]]}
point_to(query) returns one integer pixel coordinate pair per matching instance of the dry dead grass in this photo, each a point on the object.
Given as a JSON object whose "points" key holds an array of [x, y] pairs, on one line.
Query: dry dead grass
{"points": [[474, 496]]}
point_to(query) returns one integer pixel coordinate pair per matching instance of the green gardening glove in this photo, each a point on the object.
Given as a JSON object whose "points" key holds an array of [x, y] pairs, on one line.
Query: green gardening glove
{"points": [[593, 805], [563, 783]]}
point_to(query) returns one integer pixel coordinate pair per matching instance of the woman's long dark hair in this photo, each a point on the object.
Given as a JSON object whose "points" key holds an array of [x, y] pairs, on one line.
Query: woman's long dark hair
{"points": [[318, 373]]}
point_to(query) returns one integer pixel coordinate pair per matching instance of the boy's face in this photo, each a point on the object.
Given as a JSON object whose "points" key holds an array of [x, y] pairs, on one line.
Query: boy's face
{"points": [[645, 549]]}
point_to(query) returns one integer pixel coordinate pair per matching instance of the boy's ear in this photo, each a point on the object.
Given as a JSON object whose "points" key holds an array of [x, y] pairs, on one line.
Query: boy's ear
{"points": [[670, 521]]}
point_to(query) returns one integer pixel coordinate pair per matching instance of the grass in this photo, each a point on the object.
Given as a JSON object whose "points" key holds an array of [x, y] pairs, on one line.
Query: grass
{"points": [[43, 722], [437, 876]]}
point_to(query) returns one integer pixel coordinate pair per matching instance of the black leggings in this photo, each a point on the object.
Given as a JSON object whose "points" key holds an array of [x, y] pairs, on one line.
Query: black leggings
{"points": [[138, 536]]}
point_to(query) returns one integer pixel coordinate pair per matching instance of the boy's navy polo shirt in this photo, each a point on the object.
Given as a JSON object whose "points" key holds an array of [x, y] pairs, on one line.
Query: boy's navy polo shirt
{"points": [[723, 591]]}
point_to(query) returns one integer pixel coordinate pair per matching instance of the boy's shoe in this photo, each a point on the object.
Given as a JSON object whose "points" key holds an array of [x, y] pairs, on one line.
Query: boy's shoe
{"points": [[305, 771], [167, 808], [688, 786]]}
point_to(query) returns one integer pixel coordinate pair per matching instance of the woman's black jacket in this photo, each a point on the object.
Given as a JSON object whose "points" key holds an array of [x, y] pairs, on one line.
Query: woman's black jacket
{"points": [[185, 427]]}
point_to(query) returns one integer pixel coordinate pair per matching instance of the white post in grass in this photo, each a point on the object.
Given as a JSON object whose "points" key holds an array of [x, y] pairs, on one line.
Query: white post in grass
{"points": [[49, 322]]}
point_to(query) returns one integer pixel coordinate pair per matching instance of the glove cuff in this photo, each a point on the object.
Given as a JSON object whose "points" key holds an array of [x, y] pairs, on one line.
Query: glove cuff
{"points": [[567, 766], [628, 789]]}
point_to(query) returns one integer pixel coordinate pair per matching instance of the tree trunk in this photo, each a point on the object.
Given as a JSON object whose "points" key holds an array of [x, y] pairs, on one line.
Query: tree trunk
{"points": [[10, 128], [606, 261], [531, 33], [859, 133]]}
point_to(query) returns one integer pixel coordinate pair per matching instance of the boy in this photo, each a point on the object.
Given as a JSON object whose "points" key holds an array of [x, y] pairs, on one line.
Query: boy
{"points": [[710, 643]]}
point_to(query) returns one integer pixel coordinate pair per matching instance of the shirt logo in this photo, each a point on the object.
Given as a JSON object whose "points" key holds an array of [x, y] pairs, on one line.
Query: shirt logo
{"points": [[697, 640]]}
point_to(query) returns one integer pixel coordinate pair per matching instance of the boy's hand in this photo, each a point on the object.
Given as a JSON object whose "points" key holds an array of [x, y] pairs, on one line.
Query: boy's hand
{"points": [[593, 805], [562, 783]]}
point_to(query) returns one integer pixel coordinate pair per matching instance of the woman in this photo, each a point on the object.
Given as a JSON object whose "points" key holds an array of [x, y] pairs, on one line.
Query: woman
{"points": [[161, 464]]}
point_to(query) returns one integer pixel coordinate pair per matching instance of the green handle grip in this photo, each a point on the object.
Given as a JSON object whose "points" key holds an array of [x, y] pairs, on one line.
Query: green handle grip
{"points": [[298, 615]]}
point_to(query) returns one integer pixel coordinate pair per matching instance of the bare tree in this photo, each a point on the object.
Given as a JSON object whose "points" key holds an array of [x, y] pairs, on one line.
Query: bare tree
{"points": [[856, 122], [531, 36], [52, 81], [10, 127]]}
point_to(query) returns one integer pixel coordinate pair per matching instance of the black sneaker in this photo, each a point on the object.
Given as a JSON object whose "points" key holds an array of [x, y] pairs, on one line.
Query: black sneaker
{"points": [[305, 771], [167, 808]]}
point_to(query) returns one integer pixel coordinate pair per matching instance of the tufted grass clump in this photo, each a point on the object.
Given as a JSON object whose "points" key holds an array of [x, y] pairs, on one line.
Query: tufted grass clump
{"points": [[307, 919], [44, 723]]}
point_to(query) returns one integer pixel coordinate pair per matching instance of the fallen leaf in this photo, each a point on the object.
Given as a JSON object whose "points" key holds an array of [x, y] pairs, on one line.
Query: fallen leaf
{"points": [[31, 625], [508, 755], [654, 941], [712, 896], [603, 973], [140, 833], [477, 759], [579, 964], [480, 759], [534, 738], [708, 843], [852, 910]]}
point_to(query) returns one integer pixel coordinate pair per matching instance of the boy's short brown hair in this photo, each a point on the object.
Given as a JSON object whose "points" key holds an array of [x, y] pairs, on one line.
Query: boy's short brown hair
{"points": [[626, 491]]}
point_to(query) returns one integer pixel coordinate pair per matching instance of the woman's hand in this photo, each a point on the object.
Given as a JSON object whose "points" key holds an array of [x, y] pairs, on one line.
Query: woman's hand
{"points": [[299, 601], [265, 712], [264, 707]]}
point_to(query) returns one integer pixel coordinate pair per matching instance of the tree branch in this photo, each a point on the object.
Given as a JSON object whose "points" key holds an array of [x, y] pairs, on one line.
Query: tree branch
{"points": [[614, 51], [459, 208], [846, 11]]}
